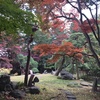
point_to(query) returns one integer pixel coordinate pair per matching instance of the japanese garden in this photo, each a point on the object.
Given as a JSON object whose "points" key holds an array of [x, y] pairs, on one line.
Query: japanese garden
{"points": [[49, 49]]}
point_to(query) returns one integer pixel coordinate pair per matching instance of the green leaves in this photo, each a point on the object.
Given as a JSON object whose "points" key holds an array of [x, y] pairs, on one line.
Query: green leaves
{"points": [[42, 38], [77, 39], [23, 59], [13, 19]]}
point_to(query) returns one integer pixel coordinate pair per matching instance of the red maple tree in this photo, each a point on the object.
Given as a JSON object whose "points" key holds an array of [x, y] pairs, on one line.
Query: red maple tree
{"points": [[67, 48]]}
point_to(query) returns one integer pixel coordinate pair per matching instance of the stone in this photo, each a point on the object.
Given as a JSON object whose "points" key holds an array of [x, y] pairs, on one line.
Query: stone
{"points": [[66, 75], [85, 84], [71, 97], [17, 94], [68, 93], [15, 85], [4, 81], [36, 79], [34, 90]]}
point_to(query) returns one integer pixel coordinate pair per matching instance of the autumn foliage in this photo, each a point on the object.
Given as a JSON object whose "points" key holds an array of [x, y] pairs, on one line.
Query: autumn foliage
{"points": [[67, 48], [88, 26], [75, 26]]}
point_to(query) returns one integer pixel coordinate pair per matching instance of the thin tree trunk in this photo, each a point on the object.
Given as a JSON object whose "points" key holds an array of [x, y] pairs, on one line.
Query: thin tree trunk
{"points": [[28, 61], [77, 70], [86, 34], [72, 64], [92, 49], [27, 67]]}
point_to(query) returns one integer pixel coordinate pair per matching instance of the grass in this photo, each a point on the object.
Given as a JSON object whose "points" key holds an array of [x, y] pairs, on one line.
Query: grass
{"points": [[51, 88]]}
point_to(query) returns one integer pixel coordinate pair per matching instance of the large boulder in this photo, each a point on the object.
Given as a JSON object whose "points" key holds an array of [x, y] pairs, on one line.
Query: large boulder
{"points": [[4, 81], [66, 75]]}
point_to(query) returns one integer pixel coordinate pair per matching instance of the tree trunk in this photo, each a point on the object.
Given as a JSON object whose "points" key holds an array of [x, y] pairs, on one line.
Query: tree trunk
{"points": [[27, 68], [60, 67], [92, 49], [77, 70], [28, 61], [72, 64], [59, 70], [93, 31]]}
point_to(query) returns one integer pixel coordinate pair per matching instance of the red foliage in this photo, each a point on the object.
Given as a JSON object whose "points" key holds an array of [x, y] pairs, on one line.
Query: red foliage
{"points": [[58, 23], [46, 49], [75, 26], [86, 27], [5, 62], [9, 46], [60, 1], [67, 49], [60, 38], [45, 2]]}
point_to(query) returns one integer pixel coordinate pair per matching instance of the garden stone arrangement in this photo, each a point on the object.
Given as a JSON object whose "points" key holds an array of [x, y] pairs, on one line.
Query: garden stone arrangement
{"points": [[68, 95], [5, 83], [10, 89], [66, 75]]}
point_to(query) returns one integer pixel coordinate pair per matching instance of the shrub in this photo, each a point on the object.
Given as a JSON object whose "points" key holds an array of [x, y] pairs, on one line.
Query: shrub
{"points": [[35, 70], [23, 59]]}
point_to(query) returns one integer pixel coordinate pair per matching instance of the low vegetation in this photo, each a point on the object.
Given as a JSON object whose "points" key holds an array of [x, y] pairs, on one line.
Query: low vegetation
{"points": [[52, 88]]}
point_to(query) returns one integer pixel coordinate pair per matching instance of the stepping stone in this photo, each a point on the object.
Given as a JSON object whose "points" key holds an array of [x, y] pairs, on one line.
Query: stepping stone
{"points": [[34, 90], [71, 97], [68, 93], [85, 84]]}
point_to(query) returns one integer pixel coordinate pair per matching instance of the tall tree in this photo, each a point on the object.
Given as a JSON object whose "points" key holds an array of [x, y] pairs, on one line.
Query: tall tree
{"points": [[86, 24], [13, 19]]}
